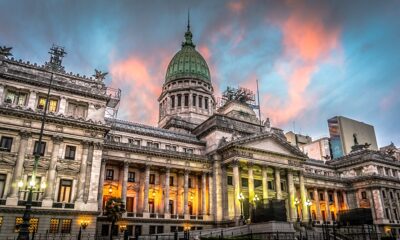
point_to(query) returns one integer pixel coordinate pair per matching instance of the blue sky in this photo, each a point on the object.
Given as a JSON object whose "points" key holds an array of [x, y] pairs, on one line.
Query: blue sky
{"points": [[314, 59]]}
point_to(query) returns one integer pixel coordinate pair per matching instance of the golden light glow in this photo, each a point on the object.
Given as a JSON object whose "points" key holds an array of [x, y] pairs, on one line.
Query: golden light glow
{"points": [[186, 227], [20, 184], [43, 185], [110, 190]]}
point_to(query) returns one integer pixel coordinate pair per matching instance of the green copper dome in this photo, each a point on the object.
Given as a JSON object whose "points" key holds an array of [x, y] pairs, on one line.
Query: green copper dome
{"points": [[188, 63]]}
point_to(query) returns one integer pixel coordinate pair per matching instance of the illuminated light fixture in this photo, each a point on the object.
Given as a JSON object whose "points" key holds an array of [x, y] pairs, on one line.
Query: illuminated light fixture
{"points": [[308, 203], [20, 184], [31, 183], [241, 197], [296, 201], [43, 185], [84, 224], [256, 198], [110, 189]]}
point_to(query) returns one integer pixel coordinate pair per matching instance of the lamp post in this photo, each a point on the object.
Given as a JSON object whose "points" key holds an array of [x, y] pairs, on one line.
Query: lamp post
{"points": [[57, 53], [297, 203], [255, 201], [308, 204], [241, 199], [83, 226]]}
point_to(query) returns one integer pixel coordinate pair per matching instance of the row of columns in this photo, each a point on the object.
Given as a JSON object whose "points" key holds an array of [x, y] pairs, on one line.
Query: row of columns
{"points": [[291, 189], [166, 188], [317, 203], [48, 197]]}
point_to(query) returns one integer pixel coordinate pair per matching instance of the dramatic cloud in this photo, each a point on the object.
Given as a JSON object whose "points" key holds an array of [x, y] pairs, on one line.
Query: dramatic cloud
{"points": [[313, 59], [307, 44]]}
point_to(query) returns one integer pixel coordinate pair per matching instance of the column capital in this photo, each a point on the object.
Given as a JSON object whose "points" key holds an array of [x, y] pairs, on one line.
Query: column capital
{"points": [[235, 163], [98, 146], [126, 164], [57, 139], [85, 143], [187, 171], [250, 164], [25, 134]]}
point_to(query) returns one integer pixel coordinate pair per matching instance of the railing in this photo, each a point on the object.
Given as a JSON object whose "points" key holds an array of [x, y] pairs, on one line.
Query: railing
{"points": [[63, 205], [34, 203], [2, 201]]}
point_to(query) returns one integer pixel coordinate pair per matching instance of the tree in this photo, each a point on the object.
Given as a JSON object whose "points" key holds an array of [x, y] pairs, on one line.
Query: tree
{"points": [[114, 209]]}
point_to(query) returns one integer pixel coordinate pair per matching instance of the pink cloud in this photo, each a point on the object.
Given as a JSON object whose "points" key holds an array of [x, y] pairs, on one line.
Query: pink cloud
{"points": [[307, 43], [140, 88]]}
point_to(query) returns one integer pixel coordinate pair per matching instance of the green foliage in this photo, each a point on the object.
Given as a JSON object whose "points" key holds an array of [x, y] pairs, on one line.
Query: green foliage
{"points": [[114, 209]]}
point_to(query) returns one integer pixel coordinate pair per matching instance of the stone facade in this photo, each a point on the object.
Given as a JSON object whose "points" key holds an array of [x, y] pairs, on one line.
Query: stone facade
{"points": [[172, 177]]}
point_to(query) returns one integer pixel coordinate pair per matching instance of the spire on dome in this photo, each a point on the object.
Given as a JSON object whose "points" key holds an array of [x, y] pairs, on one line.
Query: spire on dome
{"points": [[188, 35]]}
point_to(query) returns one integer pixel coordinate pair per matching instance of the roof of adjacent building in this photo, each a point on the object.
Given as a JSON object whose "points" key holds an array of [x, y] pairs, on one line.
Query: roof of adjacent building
{"points": [[152, 131]]}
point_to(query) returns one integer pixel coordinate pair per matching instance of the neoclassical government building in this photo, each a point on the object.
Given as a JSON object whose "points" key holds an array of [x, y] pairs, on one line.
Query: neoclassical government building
{"points": [[194, 170]]}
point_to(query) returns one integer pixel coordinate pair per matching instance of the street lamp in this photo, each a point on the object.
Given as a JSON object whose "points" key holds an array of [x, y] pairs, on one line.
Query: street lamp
{"points": [[57, 53], [84, 224], [255, 200], [241, 199], [308, 204], [297, 203]]}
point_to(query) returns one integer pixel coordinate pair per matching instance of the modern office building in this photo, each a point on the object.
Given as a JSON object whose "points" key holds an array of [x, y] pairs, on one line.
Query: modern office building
{"points": [[346, 133]]}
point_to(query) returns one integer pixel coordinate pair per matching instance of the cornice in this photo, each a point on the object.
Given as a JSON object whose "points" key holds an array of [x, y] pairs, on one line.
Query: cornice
{"points": [[28, 113]]}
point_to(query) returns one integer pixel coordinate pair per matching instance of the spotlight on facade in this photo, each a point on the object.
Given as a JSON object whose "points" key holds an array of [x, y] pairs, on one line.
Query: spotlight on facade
{"points": [[84, 224], [20, 184]]}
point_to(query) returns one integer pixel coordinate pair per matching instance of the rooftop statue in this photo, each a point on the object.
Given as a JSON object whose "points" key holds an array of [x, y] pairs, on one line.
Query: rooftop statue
{"points": [[5, 51], [99, 75]]}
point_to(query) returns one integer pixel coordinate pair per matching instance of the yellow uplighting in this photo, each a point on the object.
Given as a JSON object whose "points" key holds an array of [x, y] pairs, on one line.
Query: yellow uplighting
{"points": [[110, 189], [20, 184]]}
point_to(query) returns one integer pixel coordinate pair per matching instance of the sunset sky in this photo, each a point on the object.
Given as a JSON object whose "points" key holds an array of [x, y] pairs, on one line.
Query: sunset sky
{"points": [[314, 59]]}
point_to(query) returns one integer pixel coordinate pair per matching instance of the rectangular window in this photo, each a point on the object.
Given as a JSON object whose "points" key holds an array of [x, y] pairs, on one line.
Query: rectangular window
{"points": [[391, 195], [137, 142], [66, 225], [160, 229], [110, 174], [188, 150], [257, 183], [3, 178], [200, 101], [363, 195], [105, 230], [5, 144], [190, 183], [194, 96], [172, 101], [35, 194], [152, 179], [129, 204], [245, 182], [16, 98], [229, 180], [41, 150], [330, 197], [53, 103], [152, 230], [171, 206], [179, 100], [70, 152], [271, 185], [75, 109], [283, 186], [321, 196], [383, 193], [311, 195], [171, 181], [170, 148], [131, 176], [64, 194], [206, 103], [54, 223], [186, 100], [130, 140], [33, 224], [117, 139]]}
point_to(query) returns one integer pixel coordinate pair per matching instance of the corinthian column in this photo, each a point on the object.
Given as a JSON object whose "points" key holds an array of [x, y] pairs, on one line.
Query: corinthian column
{"points": [[265, 182], [203, 193], [186, 193], [82, 171], [166, 190], [251, 181], [49, 191], [146, 189], [101, 183], [236, 185], [303, 198], [278, 183], [291, 189], [19, 165], [125, 182]]}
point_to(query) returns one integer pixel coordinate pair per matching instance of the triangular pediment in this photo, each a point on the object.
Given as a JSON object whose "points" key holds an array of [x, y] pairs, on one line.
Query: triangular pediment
{"points": [[269, 145], [268, 142]]}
